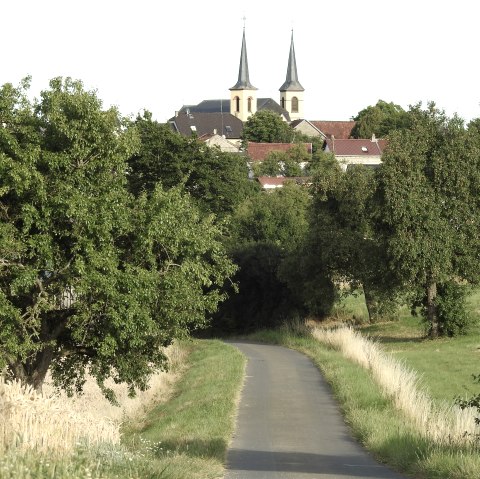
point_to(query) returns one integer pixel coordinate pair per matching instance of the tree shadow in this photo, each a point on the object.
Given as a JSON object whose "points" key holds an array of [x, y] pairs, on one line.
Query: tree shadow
{"points": [[204, 448], [347, 466]]}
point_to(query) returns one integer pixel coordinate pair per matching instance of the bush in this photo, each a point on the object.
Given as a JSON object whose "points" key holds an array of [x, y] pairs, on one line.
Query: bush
{"points": [[453, 317]]}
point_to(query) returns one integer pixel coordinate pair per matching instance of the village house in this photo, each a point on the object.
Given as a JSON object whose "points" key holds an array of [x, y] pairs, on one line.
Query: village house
{"points": [[324, 129], [367, 152]]}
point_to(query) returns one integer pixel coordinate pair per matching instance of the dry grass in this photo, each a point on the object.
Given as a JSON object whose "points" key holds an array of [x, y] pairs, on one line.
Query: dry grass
{"points": [[440, 422], [51, 421]]}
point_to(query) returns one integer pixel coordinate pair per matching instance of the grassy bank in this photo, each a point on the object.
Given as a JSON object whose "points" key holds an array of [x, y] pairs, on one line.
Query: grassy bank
{"points": [[375, 420], [184, 437]]}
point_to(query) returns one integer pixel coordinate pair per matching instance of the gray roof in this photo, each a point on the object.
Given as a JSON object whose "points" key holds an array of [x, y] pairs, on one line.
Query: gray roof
{"points": [[243, 82], [223, 105], [291, 82], [191, 123]]}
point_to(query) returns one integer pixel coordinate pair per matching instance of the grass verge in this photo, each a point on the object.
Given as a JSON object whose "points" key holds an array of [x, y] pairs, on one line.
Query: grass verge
{"points": [[185, 437], [374, 420]]}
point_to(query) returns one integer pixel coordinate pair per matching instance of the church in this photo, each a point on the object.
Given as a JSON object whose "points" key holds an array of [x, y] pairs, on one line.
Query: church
{"points": [[225, 117]]}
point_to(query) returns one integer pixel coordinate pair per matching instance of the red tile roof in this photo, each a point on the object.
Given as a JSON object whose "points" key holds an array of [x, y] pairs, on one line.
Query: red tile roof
{"points": [[259, 151], [339, 129], [354, 147]]}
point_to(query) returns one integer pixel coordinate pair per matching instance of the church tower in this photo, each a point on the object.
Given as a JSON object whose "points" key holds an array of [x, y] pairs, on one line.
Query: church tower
{"points": [[243, 95], [291, 92]]}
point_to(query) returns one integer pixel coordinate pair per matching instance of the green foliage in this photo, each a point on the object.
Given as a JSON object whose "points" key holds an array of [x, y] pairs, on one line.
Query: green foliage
{"points": [[286, 163], [265, 230], [380, 120], [453, 315], [91, 277], [429, 203], [268, 127], [343, 239], [217, 180]]}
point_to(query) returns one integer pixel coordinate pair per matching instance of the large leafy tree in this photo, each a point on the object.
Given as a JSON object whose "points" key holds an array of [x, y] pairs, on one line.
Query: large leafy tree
{"points": [[342, 236], [268, 127], [379, 120], [92, 278], [267, 233], [217, 180], [429, 193]]}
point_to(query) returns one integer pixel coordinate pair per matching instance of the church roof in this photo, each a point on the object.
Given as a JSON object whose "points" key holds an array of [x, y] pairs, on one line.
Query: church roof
{"points": [[223, 105], [200, 123], [243, 82], [291, 81]]}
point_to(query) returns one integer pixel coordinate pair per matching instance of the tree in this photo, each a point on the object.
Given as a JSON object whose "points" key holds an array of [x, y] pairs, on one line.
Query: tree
{"points": [[265, 230], [217, 180], [430, 204], [286, 163], [92, 278], [379, 120], [268, 127], [343, 239]]}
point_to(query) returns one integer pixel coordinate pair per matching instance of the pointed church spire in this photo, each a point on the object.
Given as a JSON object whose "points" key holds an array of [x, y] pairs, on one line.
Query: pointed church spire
{"points": [[291, 82], [243, 82]]}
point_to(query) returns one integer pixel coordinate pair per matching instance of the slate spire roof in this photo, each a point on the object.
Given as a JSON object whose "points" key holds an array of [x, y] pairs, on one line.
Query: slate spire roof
{"points": [[291, 82], [243, 82]]}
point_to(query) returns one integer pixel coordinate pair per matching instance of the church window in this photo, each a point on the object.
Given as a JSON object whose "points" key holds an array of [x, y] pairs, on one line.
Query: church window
{"points": [[250, 104], [237, 104], [283, 102], [294, 104]]}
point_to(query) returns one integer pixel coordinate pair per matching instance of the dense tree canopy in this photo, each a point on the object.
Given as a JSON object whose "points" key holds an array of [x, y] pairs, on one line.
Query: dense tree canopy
{"points": [[380, 120], [265, 230], [90, 276], [268, 127], [342, 234], [217, 180], [430, 204]]}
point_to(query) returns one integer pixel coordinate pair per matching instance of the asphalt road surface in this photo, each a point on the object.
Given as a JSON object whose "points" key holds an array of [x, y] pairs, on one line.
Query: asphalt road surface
{"points": [[289, 426]]}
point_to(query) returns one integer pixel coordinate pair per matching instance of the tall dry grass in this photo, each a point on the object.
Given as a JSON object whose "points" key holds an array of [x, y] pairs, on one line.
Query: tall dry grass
{"points": [[443, 423], [53, 422]]}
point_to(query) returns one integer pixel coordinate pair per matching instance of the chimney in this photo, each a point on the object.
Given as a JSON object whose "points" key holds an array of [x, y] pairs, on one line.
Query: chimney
{"points": [[374, 139], [214, 131]]}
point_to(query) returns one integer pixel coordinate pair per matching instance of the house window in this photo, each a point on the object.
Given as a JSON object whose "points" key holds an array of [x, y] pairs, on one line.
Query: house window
{"points": [[237, 103], [249, 104], [294, 104]]}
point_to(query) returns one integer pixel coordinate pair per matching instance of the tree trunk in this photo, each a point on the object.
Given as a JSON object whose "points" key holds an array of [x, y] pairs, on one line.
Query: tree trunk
{"points": [[371, 303], [33, 372], [432, 316]]}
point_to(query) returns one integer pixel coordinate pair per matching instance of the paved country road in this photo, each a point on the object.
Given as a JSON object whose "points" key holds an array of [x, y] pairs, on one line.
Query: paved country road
{"points": [[289, 426]]}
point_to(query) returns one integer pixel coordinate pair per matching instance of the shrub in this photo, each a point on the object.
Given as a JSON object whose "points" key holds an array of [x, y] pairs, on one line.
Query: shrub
{"points": [[453, 317]]}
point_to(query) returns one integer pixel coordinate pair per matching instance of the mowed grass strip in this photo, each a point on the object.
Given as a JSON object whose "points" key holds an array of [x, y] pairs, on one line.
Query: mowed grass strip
{"points": [[188, 436], [374, 420]]}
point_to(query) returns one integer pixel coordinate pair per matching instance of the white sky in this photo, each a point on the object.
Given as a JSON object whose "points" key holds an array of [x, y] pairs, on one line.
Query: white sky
{"points": [[159, 55]]}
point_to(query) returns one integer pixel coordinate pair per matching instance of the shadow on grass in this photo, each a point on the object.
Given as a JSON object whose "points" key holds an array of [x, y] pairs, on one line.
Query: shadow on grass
{"points": [[204, 448], [394, 339]]}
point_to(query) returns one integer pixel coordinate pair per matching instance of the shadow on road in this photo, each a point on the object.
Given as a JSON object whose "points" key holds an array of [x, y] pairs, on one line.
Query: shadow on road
{"points": [[304, 463]]}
